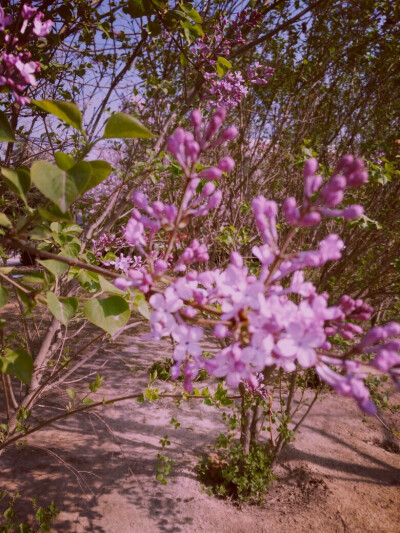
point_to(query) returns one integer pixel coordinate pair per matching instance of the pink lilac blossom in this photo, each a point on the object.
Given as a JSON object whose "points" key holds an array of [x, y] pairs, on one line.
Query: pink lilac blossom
{"points": [[264, 322], [17, 72]]}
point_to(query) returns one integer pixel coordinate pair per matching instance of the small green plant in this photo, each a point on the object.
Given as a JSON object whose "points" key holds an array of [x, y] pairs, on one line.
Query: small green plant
{"points": [[164, 465], [43, 516], [232, 474]]}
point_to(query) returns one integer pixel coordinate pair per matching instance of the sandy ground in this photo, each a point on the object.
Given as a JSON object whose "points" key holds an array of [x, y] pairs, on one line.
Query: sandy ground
{"points": [[340, 475]]}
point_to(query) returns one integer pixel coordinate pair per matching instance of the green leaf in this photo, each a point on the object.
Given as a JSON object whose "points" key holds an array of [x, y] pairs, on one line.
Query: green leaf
{"points": [[6, 133], [100, 171], [109, 314], [87, 401], [96, 384], [54, 214], [141, 304], [4, 296], [71, 249], [71, 393], [191, 13], [60, 186], [54, 267], [65, 111], [106, 286], [39, 233], [18, 181], [139, 8], [64, 310], [123, 126], [64, 161], [17, 363], [5, 221], [222, 66]]}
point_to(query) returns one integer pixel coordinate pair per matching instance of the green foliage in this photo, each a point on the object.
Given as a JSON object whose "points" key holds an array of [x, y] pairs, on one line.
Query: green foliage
{"points": [[65, 111], [17, 363], [63, 309], [62, 187], [232, 474], [42, 520], [6, 132], [164, 463], [123, 126], [4, 296], [19, 181], [109, 314]]}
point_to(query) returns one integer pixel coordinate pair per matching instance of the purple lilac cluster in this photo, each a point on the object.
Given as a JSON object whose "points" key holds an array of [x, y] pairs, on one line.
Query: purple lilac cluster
{"points": [[111, 243], [276, 318], [17, 72], [233, 86]]}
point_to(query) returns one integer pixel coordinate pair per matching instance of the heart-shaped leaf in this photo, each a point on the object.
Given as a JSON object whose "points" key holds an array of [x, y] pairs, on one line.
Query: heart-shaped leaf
{"points": [[17, 363], [18, 181], [100, 171], [61, 186], [109, 314], [64, 310], [64, 161], [123, 126], [65, 111], [55, 267]]}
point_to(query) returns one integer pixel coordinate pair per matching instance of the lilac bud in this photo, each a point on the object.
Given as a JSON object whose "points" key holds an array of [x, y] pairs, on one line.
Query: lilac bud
{"points": [[226, 164], [208, 189], [259, 205], [215, 200], [310, 219], [221, 331], [344, 163], [212, 173], [195, 118], [160, 266], [193, 149], [312, 184], [189, 311], [236, 259], [290, 210], [333, 198], [229, 134], [357, 178], [310, 167], [215, 123], [194, 182], [179, 135], [139, 199], [373, 336], [192, 275], [170, 213], [158, 207], [175, 371], [353, 211], [393, 328]]}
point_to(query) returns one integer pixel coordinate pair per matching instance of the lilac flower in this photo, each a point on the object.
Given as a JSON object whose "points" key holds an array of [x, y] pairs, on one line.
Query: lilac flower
{"points": [[187, 339], [41, 29], [5, 20], [300, 342]]}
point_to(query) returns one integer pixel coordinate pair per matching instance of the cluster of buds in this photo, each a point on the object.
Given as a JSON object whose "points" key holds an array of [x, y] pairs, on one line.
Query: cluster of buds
{"points": [[350, 172]]}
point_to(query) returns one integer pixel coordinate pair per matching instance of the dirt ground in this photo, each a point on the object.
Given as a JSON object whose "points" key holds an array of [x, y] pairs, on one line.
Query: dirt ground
{"points": [[340, 475]]}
